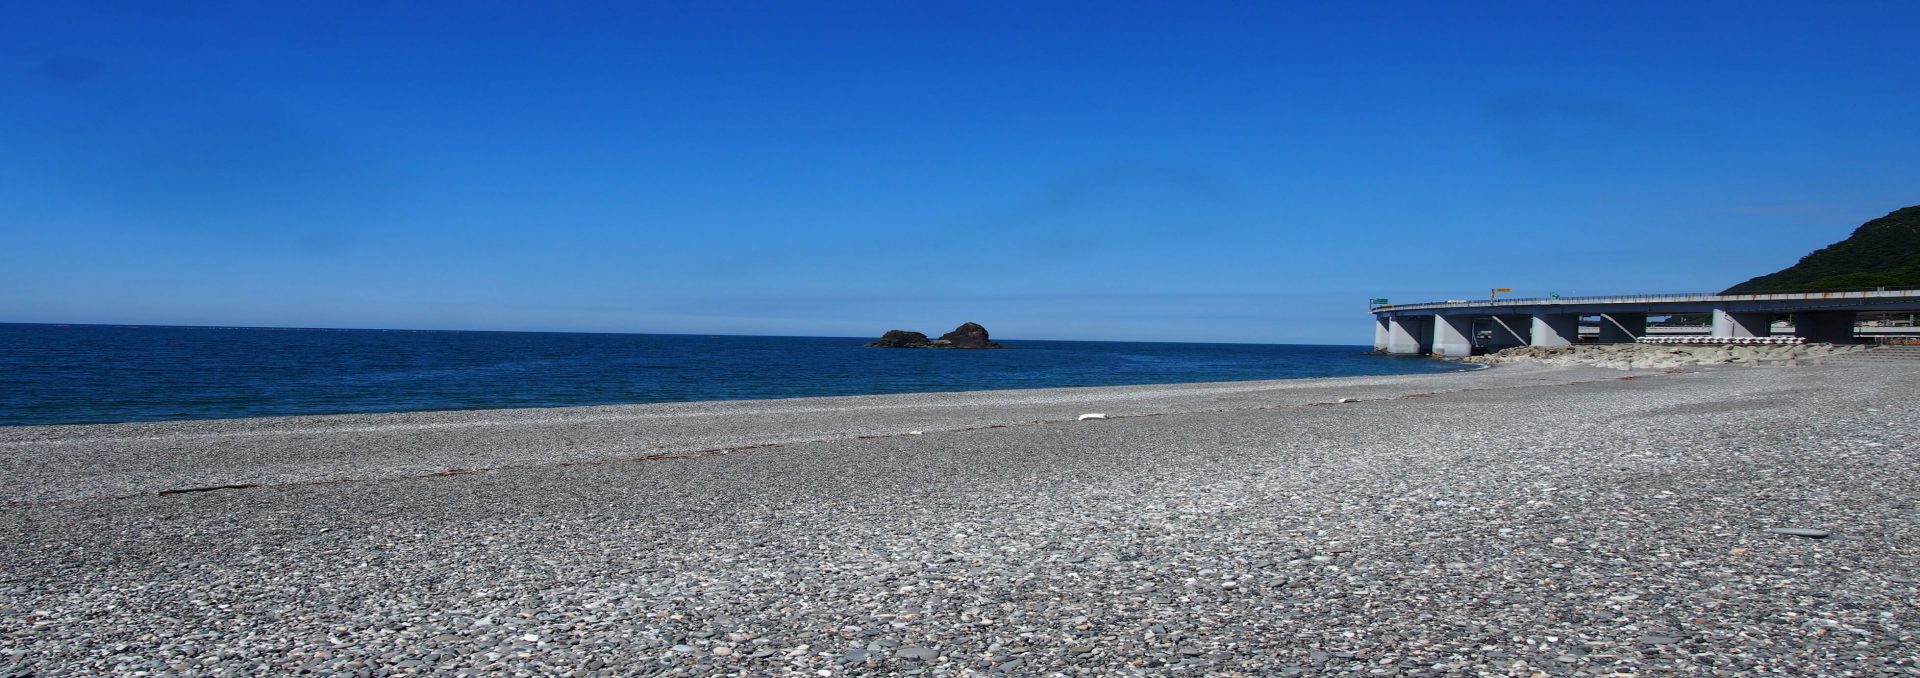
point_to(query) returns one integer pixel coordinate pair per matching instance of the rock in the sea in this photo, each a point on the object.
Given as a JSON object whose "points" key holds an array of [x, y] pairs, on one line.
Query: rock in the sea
{"points": [[901, 339], [967, 335]]}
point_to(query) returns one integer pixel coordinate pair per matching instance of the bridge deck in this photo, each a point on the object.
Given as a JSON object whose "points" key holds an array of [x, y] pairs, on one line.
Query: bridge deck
{"points": [[1458, 327], [1866, 299]]}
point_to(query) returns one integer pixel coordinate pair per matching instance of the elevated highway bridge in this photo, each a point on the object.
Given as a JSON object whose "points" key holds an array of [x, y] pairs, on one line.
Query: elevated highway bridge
{"points": [[1456, 328]]}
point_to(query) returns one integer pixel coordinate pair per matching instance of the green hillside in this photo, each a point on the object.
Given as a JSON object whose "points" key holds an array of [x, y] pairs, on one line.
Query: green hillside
{"points": [[1884, 252]]}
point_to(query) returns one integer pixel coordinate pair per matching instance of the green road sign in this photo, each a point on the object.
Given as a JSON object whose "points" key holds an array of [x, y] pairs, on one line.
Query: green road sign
{"points": [[1377, 302]]}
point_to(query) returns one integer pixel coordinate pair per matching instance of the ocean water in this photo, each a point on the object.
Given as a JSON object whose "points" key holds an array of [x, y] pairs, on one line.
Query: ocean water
{"points": [[72, 374]]}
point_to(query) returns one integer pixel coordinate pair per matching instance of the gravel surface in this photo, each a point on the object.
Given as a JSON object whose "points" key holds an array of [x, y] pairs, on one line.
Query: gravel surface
{"points": [[1523, 520], [1658, 356]]}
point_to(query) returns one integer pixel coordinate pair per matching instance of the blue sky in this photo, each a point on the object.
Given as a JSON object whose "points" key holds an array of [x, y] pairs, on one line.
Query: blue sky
{"points": [[1155, 171]]}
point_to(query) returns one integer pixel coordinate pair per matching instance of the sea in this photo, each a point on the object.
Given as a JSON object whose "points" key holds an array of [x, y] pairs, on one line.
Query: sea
{"points": [[89, 374]]}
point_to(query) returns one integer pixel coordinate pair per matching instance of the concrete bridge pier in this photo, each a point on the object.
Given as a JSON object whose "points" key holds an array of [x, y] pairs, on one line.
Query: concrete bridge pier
{"points": [[1729, 324], [1622, 328], [1407, 335], [1380, 333], [1511, 330], [1555, 329], [1829, 326], [1453, 336]]}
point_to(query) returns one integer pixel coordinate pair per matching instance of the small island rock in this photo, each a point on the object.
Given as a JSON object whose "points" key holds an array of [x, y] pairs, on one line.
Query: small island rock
{"points": [[967, 335], [901, 339]]}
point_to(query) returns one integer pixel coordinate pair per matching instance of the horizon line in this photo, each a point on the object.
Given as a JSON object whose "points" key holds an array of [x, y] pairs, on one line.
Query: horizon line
{"points": [[667, 334]]}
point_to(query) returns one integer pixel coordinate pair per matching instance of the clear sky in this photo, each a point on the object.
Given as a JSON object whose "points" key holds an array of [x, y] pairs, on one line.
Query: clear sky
{"points": [[1155, 171]]}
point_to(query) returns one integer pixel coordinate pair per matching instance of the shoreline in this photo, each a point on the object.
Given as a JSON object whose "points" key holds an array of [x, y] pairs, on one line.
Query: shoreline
{"points": [[1523, 520], [178, 376], [86, 461], [1463, 367]]}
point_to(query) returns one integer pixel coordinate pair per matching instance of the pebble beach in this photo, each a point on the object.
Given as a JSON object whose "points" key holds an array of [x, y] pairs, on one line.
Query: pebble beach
{"points": [[1527, 519]]}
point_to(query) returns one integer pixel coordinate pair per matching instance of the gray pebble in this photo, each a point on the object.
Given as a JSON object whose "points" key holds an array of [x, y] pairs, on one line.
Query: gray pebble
{"points": [[917, 653], [1809, 532]]}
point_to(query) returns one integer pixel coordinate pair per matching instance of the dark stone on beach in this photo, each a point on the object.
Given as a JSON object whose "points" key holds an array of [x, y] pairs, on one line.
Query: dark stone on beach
{"points": [[900, 339], [967, 335]]}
